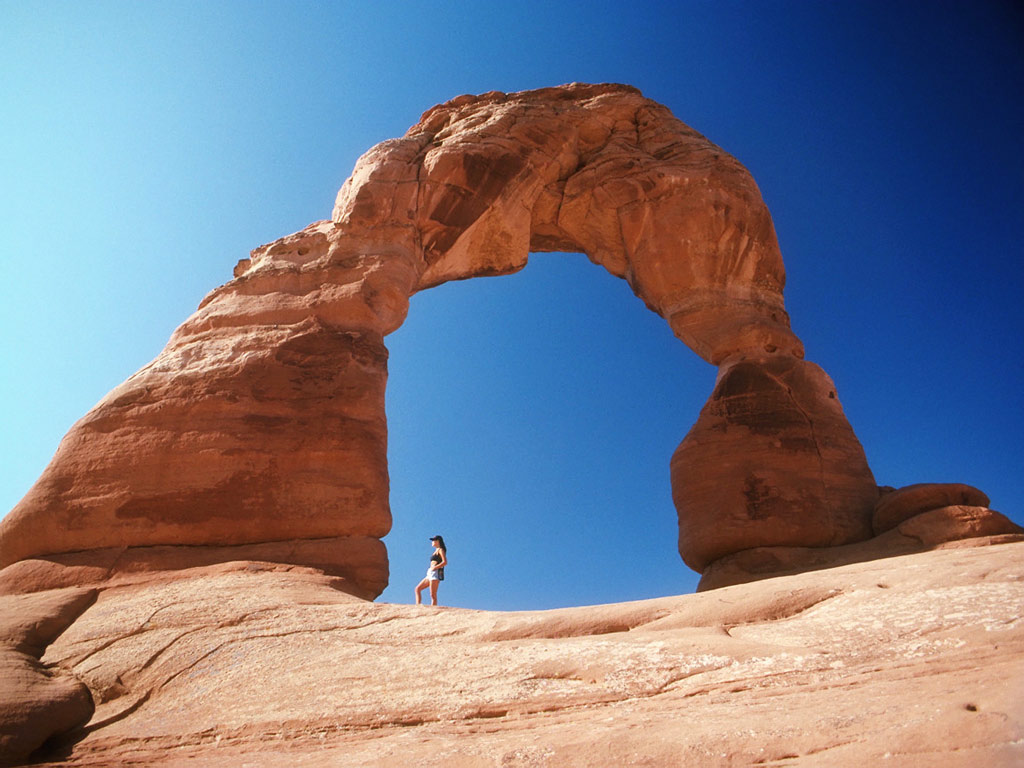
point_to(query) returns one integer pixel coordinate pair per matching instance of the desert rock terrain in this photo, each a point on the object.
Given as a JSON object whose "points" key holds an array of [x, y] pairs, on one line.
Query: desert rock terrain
{"points": [[905, 661]]}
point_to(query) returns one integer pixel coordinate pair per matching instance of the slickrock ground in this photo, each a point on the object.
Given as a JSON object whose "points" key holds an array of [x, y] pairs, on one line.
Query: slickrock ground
{"points": [[908, 661]]}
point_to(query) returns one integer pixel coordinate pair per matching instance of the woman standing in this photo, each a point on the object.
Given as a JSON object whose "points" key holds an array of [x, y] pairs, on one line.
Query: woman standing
{"points": [[435, 573]]}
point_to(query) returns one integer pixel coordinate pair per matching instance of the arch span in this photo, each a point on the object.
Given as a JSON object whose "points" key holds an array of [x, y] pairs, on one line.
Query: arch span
{"points": [[259, 431]]}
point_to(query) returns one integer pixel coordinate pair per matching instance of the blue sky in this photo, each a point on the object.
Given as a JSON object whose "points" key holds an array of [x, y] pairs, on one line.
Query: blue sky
{"points": [[146, 147]]}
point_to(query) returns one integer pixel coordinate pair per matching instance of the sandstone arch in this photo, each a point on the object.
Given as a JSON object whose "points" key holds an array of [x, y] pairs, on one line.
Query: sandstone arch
{"points": [[259, 431]]}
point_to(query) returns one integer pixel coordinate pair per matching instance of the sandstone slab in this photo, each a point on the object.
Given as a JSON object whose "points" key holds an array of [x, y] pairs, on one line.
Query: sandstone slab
{"points": [[950, 527], [901, 504], [956, 523], [907, 661], [354, 561], [36, 702]]}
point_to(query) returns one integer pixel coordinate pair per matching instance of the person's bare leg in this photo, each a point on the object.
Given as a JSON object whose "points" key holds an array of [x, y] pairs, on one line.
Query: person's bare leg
{"points": [[419, 588], [433, 591]]}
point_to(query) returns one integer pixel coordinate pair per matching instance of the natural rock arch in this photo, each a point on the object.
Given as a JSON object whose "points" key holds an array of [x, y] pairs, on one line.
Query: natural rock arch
{"points": [[259, 431]]}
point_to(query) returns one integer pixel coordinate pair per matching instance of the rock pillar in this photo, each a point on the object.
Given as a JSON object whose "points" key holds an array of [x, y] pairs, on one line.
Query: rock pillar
{"points": [[771, 461]]}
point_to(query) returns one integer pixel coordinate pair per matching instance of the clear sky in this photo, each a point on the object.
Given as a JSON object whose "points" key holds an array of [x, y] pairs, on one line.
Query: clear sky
{"points": [[145, 147]]}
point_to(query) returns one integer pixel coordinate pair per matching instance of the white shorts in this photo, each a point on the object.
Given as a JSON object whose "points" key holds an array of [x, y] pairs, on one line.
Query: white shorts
{"points": [[432, 575]]}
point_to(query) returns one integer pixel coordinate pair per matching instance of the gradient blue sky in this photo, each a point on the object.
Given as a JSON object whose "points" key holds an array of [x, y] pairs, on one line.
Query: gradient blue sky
{"points": [[146, 147]]}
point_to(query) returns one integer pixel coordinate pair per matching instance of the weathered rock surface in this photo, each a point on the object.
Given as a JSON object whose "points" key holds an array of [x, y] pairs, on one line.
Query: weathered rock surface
{"points": [[37, 703], [483, 180], [266, 436], [954, 527], [909, 661], [262, 421], [772, 461], [361, 555], [901, 504]]}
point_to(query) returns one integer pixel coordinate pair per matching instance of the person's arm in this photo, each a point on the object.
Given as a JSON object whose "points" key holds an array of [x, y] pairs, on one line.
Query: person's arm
{"points": [[444, 559]]}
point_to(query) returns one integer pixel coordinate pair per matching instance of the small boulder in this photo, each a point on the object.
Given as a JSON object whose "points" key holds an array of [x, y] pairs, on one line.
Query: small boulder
{"points": [[904, 503], [957, 522]]}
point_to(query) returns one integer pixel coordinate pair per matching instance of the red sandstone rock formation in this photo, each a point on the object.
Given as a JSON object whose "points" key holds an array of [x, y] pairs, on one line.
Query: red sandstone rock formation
{"points": [[771, 461], [261, 424], [904, 503], [911, 519], [956, 527], [36, 703]]}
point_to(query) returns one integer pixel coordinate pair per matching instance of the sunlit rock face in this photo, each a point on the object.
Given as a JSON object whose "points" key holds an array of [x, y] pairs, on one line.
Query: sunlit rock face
{"points": [[772, 461], [262, 421], [483, 180], [911, 661]]}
